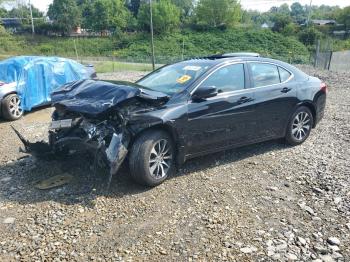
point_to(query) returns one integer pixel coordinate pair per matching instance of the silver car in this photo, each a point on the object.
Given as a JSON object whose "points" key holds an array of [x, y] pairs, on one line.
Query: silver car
{"points": [[27, 82]]}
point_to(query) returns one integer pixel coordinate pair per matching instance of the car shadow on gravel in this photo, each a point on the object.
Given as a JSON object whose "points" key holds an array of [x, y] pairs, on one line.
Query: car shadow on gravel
{"points": [[18, 178]]}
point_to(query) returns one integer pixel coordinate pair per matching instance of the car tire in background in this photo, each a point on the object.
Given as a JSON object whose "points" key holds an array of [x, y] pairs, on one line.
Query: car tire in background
{"points": [[11, 109], [152, 158], [299, 126]]}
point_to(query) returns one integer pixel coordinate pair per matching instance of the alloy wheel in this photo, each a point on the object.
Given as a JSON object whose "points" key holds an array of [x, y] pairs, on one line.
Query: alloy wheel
{"points": [[15, 106], [160, 159], [301, 125]]}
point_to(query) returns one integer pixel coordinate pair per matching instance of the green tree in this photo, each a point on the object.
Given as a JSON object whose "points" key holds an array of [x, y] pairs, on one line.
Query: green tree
{"points": [[23, 12], [108, 15], [309, 35], [290, 29], [323, 11], [280, 22], [284, 9], [217, 13], [166, 16], [100, 17], [260, 18], [186, 7], [3, 12], [86, 10], [343, 17], [298, 13], [66, 14], [134, 6]]}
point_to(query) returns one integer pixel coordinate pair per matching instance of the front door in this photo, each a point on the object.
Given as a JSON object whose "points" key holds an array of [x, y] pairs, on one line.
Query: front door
{"points": [[226, 119]]}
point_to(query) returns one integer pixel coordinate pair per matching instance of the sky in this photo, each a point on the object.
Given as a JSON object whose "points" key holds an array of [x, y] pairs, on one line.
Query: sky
{"points": [[261, 5]]}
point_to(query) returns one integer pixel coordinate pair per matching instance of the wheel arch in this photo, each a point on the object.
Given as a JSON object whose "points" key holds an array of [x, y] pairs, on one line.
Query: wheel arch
{"points": [[8, 94], [11, 93], [307, 104], [171, 131], [310, 105]]}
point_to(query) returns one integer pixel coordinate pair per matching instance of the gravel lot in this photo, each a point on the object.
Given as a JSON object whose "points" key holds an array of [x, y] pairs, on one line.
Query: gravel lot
{"points": [[261, 202]]}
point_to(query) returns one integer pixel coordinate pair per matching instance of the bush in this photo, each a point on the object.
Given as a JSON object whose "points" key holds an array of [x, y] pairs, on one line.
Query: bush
{"points": [[265, 42], [309, 35], [3, 31]]}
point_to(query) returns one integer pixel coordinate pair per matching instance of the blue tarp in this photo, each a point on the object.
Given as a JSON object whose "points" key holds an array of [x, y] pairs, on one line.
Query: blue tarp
{"points": [[37, 77]]}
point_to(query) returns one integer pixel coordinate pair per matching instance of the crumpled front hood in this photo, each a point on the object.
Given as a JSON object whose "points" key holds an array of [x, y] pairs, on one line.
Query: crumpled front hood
{"points": [[94, 97]]}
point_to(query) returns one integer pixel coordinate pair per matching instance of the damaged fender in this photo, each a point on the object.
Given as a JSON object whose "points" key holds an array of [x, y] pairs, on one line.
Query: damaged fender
{"points": [[98, 117]]}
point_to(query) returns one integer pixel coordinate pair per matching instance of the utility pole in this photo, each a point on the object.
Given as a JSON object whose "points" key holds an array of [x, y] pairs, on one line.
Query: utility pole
{"points": [[31, 17], [152, 37], [309, 15]]}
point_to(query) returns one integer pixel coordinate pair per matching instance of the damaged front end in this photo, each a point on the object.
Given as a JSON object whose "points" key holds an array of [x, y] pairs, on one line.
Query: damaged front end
{"points": [[106, 138], [92, 116], [69, 133]]}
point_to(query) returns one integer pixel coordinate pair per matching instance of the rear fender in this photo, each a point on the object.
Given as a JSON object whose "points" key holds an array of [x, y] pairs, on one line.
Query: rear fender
{"points": [[309, 104]]}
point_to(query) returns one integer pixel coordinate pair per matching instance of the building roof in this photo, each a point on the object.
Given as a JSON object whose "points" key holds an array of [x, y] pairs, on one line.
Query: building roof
{"points": [[324, 22]]}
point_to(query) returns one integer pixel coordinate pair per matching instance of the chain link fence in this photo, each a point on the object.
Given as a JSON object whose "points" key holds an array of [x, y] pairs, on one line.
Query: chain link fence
{"points": [[334, 61], [324, 58], [340, 61]]}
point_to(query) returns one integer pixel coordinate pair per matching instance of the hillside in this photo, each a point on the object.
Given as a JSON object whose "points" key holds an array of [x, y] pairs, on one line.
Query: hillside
{"points": [[136, 47], [193, 44]]}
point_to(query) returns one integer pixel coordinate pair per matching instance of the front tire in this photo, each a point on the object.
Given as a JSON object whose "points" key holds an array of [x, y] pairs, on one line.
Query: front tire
{"points": [[11, 107], [299, 126], [152, 158]]}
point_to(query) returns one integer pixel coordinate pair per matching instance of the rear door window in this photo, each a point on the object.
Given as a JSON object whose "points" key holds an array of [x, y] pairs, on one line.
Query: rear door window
{"points": [[264, 74], [284, 74]]}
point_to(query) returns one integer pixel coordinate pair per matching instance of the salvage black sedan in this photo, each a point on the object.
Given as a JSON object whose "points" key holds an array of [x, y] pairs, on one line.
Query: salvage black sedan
{"points": [[185, 110]]}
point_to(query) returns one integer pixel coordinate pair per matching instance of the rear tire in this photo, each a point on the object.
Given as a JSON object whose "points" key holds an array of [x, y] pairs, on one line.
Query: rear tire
{"points": [[299, 126], [152, 158], [11, 107]]}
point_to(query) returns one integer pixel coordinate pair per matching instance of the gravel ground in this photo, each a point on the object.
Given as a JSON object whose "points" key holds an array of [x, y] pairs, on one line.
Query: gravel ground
{"points": [[261, 202]]}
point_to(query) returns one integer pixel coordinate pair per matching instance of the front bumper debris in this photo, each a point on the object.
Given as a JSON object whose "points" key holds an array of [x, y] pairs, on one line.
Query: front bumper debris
{"points": [[101, 140], [40, 148]]}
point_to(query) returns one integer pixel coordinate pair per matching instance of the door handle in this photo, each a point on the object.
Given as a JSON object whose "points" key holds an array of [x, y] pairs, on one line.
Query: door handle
{"points": [[285, 90], [243, 99]]}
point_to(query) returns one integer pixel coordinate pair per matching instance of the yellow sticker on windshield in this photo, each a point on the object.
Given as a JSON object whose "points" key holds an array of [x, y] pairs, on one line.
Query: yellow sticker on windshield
{"points": [[183, 79]]}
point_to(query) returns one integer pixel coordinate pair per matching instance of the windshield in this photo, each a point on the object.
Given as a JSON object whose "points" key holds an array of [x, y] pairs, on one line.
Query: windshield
{"points": [[174, 78]]}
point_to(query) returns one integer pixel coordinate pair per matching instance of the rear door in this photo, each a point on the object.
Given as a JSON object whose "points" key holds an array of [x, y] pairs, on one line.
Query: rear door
{"points": [[223, 120], [275, 94]]}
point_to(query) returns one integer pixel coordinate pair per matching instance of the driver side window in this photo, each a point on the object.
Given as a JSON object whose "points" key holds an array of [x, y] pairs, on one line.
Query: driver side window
{"points": [[226, 79]]}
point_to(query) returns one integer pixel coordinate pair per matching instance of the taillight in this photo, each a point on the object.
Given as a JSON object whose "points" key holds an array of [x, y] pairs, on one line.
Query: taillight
{"points": [[324, 88], [1, 83]]}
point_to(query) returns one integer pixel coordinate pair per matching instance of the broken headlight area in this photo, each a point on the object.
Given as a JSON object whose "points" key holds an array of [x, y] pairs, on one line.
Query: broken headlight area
{"points": [[106, 138]]}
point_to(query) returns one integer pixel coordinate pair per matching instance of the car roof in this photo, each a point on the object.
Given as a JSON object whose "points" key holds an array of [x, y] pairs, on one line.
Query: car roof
{"points": [[223, 59]]}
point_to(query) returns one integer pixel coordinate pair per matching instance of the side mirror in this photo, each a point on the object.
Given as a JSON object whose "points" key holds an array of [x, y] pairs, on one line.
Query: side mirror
{"points": [[204, 92]]}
